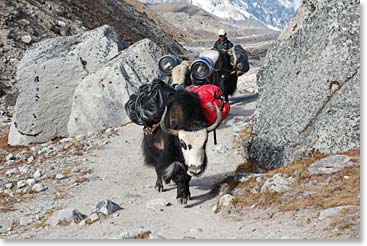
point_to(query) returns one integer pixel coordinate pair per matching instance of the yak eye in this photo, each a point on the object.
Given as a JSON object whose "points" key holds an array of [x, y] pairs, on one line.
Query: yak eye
{"points": [[190, 147], [183, 145]]}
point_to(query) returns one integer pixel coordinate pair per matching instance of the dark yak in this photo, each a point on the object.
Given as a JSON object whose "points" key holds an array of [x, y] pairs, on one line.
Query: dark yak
{"points": [[177, 148], [223, 76], [220, 73]]}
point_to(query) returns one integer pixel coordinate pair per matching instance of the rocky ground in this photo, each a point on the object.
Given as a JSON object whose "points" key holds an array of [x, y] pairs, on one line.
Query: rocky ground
{"points": [[96, 186]]}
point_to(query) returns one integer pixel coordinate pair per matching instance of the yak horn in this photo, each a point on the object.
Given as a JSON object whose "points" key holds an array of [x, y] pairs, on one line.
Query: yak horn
{"points": [[164, 127], [217, 122]]}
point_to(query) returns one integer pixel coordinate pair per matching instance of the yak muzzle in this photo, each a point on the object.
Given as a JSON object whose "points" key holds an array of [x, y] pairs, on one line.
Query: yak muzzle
{"points": [[195, 170]]}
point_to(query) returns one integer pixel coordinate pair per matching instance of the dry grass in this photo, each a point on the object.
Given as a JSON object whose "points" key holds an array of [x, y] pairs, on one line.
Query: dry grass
{"points": [[327, 190], [6, 202], [348, 221], [4, 143]]}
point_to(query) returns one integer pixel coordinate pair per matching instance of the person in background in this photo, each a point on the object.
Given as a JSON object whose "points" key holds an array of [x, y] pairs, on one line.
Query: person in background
{"points": [[222, 44]]}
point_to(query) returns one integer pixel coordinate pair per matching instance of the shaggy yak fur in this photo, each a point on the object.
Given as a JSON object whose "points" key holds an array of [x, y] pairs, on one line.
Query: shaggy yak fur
{"points": [[223, 76], [168, 152]]}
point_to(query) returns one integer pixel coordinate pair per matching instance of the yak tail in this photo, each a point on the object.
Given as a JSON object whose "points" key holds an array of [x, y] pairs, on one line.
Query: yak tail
{"points": [[173, 168]]}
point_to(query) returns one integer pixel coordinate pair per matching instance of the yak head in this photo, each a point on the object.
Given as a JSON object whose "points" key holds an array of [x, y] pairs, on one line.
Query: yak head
{"points": [[193, 143]]}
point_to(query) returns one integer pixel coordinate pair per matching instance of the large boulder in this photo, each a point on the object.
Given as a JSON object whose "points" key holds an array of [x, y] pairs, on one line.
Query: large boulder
{"points": [[47, 77], [99, 99], [309, 86], [67, 82]]}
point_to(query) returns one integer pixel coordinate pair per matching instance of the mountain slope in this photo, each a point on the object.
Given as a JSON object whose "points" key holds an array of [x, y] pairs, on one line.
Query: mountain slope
{"points": [[273, 13], [197, 24]]}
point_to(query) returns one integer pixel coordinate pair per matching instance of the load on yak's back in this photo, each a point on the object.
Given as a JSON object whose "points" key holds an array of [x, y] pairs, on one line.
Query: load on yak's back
{"points": [[219, 71], [186, 101]]}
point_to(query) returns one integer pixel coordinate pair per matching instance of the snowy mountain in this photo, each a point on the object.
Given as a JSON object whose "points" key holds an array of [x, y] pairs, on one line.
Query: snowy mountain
{"points": [[275, 14]]}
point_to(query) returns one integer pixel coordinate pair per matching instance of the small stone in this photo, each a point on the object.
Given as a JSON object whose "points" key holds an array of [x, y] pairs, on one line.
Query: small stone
{"points": [[62, 216], [275, 184], [3, 181], [77, 216], [330, 164], [19, 191], [27, 39], [76, 169], [107, 207], [10, 156], [8, 163], [22, 155], [24, 169], [31, 182], [30, 159], [80, 137], [67, 145], [37, 174], [25, 190], [335, 211], [21, 184], [226, 200], [60, 176], [9, 185], [25, 22], [243, 176], [35, 149], [254, 191], [93, 217], [25, 221], [11, 171], [157, 203], [39, 187], [9, 192], [109, 132], [61, 23]]}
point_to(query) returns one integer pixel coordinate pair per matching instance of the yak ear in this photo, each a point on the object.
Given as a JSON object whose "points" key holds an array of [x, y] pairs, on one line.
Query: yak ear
{"points": [[175, 117]]}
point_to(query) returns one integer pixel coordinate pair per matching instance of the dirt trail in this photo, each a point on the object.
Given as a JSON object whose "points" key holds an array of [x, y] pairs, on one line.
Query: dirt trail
{"points": [[120, 176], [124, 179]]}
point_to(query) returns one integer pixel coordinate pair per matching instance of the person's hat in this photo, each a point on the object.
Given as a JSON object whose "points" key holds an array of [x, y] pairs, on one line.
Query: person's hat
{"points": [[222, 32]]}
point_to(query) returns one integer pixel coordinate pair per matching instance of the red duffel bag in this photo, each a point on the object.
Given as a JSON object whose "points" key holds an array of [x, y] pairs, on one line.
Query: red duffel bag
{"points": [[208, 95]]}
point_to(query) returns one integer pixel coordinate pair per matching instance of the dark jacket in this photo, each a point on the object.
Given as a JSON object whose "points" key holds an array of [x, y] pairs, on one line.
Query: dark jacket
{"points": [[225, 46]]}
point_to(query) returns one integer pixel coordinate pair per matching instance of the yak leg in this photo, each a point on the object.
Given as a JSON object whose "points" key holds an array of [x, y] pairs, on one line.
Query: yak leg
{"points": [[183, 191], [159, 183]]}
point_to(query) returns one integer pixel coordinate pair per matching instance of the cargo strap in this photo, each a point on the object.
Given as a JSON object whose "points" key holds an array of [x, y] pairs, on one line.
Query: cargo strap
{"points": [[234, 57]]}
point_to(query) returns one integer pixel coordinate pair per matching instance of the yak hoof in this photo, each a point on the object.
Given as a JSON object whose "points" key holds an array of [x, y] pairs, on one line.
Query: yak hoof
{"points": [[159, 188], [182, 201]]}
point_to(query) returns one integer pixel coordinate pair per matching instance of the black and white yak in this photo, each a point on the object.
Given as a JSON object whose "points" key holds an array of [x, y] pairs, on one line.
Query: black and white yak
{"points": [[177, 147]]}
